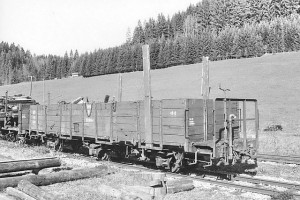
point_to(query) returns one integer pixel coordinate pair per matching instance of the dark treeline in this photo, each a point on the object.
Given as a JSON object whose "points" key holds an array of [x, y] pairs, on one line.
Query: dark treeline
{"points": [[215, 28]]}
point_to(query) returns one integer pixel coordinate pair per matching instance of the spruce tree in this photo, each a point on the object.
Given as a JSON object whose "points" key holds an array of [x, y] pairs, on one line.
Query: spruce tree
{"points": [[161, 54], [162, 26], [176, 52], [138, 34]]}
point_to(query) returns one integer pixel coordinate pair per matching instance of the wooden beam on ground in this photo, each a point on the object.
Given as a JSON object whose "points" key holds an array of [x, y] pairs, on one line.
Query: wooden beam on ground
{"points": [[36, 192], [180, 185], [19, 194], [6, 197], [158, 185], [22, 165], [51, 178]]}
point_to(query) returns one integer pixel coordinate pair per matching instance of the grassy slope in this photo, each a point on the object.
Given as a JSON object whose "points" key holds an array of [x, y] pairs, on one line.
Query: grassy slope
{"points": [[272, 79]]}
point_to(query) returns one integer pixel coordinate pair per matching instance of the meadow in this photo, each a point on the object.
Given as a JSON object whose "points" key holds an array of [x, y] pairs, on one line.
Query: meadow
{"points": [[273, 79]]}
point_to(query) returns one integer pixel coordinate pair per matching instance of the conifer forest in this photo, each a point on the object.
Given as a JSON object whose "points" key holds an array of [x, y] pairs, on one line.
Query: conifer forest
{"points": [[231, 29]]}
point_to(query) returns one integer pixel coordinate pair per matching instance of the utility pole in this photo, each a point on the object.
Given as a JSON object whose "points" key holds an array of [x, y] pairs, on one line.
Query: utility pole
{"points": [[6, 100], [44, 91], [120, 88]]}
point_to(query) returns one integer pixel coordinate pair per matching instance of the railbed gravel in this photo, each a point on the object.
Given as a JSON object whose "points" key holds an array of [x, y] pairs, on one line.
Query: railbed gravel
{"points": [[86, 189]]}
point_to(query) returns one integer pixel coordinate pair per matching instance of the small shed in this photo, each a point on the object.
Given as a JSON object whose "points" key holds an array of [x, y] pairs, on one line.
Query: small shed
{"points": [[75, 74]]}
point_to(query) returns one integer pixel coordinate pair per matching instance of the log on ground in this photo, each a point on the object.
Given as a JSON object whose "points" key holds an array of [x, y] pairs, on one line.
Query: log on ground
{"points": [[180, 185], [12, 174], [51, 178], [36, 192], [22, 165], [6, 197], [19, 194]]}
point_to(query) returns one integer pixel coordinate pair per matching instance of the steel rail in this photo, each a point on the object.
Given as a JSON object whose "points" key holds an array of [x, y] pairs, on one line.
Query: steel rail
{"points": [[255, 189], [279, 159], [268, 182]]}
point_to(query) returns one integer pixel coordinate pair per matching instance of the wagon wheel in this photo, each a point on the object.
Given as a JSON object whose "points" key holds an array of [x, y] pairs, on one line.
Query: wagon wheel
{"points": [[58, 145], [175, 167], [21, 140], [11, 137], [104, 155], [176, 163]]}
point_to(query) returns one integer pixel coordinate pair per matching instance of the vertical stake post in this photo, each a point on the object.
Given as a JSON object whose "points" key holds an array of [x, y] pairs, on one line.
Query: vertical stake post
{"points": [[43, 91], [147, 97], [205, 94], [5, 106], [244, 126], [48, 98], [120, 88], [30, 85], [256, 125]]}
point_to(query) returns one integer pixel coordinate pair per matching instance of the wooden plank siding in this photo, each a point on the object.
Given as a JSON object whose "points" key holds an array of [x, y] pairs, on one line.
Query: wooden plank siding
{"points": [[196, 120], [173, 120], [24, 117]]}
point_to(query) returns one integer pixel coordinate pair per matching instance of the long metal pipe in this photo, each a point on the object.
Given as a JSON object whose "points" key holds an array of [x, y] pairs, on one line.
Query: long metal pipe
{"points": [[231, 117]]}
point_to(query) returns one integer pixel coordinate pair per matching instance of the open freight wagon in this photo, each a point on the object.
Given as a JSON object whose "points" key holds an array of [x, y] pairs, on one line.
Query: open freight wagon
{"points": [[184, 132]]}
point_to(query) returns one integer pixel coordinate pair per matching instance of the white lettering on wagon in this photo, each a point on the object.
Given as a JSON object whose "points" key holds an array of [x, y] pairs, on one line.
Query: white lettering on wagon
{"points": [[88, 109], [89, 119], [191, 122], [173, 113]]}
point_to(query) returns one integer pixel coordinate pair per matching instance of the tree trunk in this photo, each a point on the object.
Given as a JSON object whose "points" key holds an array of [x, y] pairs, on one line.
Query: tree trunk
{"points": [[36, 192], [57, 177], [22, 165]]}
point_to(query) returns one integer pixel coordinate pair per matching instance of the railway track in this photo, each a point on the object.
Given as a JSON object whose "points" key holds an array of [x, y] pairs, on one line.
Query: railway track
{"points": [[279, 159], [259, 185]]}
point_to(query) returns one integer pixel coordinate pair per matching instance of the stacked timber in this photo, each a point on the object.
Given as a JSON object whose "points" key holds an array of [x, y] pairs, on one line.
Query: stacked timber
{"points": [[58, 177], [32, 164], [18, 99], [28, 191]]}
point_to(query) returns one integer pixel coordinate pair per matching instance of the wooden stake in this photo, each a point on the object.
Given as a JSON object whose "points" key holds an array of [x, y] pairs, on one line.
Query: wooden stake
{"points": [[147, 97], [120, 88], [205, 93]]}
